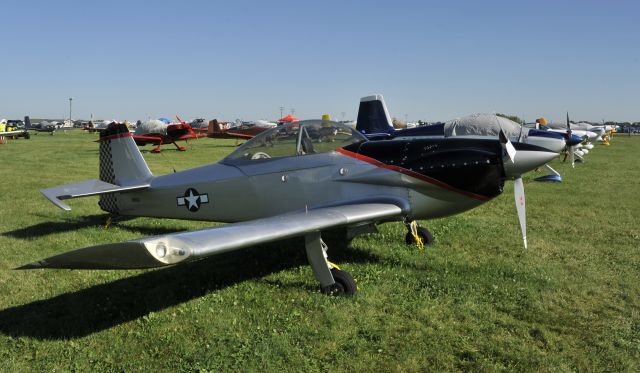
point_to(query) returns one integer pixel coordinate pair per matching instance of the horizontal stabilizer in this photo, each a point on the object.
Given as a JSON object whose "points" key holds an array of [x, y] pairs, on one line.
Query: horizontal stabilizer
{"points": [[178, 247], [84, 189]]}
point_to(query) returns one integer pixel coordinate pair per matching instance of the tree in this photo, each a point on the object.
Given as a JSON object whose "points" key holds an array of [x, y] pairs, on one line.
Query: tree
{"points": [[514, 118], [397, 123]]}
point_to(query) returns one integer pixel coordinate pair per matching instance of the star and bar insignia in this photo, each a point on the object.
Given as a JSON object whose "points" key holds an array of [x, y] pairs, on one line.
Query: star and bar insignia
{"points": [[192, 199]]}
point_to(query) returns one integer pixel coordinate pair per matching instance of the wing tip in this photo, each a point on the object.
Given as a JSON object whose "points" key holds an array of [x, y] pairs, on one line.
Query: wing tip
{"points": [[34, 265]]}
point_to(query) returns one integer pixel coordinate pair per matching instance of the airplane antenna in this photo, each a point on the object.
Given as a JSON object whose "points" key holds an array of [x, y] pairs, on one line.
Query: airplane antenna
{"points": [[170, 163]]}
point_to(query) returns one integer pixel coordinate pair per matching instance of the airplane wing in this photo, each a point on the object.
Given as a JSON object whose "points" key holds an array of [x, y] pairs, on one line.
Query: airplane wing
{"points": [[175, 248], [11, 133], [240, 135], [146, 139], [190, 136]]}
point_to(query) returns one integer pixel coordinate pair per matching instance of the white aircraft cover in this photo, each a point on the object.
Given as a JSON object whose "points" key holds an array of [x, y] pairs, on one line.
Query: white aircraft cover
{"points": [[151, 126], [481, 125], [265, 124]]}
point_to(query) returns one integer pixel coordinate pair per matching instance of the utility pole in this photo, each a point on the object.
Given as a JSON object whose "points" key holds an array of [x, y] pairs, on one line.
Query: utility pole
{"points": [[281, 111], [70, 99], [293, 111]]}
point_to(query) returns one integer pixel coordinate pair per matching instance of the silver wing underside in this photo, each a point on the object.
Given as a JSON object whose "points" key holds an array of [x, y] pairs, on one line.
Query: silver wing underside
{"points": [[175, 248]]}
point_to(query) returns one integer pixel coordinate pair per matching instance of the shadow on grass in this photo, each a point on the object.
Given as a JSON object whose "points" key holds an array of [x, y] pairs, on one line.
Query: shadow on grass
{"points": [[100, 307], [47, 228]]}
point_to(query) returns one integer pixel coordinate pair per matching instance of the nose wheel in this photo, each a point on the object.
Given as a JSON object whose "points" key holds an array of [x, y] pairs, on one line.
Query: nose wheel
{"points": [[418, 235]]}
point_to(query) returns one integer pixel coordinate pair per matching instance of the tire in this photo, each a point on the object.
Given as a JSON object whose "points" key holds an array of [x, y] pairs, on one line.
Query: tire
{"points": [[345, 284], [424, 233]]}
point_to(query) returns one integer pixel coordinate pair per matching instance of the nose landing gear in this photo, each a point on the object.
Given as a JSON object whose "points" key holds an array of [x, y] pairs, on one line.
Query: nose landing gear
{"points": [[417, 235]]}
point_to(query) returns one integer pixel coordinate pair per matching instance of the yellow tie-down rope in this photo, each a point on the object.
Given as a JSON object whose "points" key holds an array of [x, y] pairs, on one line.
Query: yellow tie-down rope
{"points": [[414, 232]]}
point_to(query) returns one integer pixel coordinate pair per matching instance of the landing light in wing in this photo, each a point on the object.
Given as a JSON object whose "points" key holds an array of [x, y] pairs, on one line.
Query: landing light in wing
{"points": [[168, 251]]}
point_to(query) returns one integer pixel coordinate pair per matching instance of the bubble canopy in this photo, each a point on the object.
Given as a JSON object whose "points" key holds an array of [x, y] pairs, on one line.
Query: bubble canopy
{"points": [[296, 139]]}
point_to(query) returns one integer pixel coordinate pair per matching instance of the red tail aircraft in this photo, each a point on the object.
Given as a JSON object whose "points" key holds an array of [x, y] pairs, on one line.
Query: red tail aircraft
{"points": [[240, 132]]}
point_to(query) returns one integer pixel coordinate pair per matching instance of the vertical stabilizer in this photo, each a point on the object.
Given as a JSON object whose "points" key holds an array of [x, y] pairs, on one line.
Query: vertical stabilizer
{"points": [[214, 127], [27, 122], [373, 116], [120, 163]]}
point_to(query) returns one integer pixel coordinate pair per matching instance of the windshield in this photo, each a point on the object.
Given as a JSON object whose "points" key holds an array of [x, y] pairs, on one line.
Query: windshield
{"points": [[297, 138]]}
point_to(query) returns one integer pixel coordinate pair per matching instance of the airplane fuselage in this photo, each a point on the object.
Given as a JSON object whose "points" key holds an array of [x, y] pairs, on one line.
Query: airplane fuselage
{"points": [[426, 177]]}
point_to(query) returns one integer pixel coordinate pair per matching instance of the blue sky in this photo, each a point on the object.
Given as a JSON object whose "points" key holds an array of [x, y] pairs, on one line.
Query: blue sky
{"points": [[432, 60]]}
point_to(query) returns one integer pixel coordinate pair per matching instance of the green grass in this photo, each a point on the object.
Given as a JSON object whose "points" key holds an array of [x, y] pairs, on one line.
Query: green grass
{"points": [[475, 301]]}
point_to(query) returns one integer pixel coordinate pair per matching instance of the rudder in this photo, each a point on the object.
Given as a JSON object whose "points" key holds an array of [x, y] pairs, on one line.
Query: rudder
{"points": [[121, 163], [373, 116]]}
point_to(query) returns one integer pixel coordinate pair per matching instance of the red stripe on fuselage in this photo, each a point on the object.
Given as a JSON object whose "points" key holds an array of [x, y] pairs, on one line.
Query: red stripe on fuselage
{"points": [[414, 174]]}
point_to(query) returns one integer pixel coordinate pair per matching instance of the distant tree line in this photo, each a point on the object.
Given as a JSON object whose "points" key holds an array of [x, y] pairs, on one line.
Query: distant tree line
{"points": [[514, 118], [517, 119]]}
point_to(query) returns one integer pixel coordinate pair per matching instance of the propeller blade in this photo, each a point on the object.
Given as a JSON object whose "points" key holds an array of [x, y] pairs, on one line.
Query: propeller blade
{"points": [[187, 126], [572, 156], [508, 146], [570, 149], [191, 131], [518, 191]]}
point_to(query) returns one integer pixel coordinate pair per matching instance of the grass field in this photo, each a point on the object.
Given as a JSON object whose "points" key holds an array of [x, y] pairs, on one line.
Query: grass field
{"points": [[475, 301]]}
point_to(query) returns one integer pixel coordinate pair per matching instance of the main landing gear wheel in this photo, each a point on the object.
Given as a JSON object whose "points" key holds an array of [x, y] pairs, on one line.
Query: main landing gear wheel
{"points": [[423, 233], [333, 281], [345, 284]]}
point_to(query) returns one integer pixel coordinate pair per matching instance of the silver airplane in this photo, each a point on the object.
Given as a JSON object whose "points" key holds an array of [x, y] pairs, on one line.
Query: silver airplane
{"points": [[298, 179]]}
